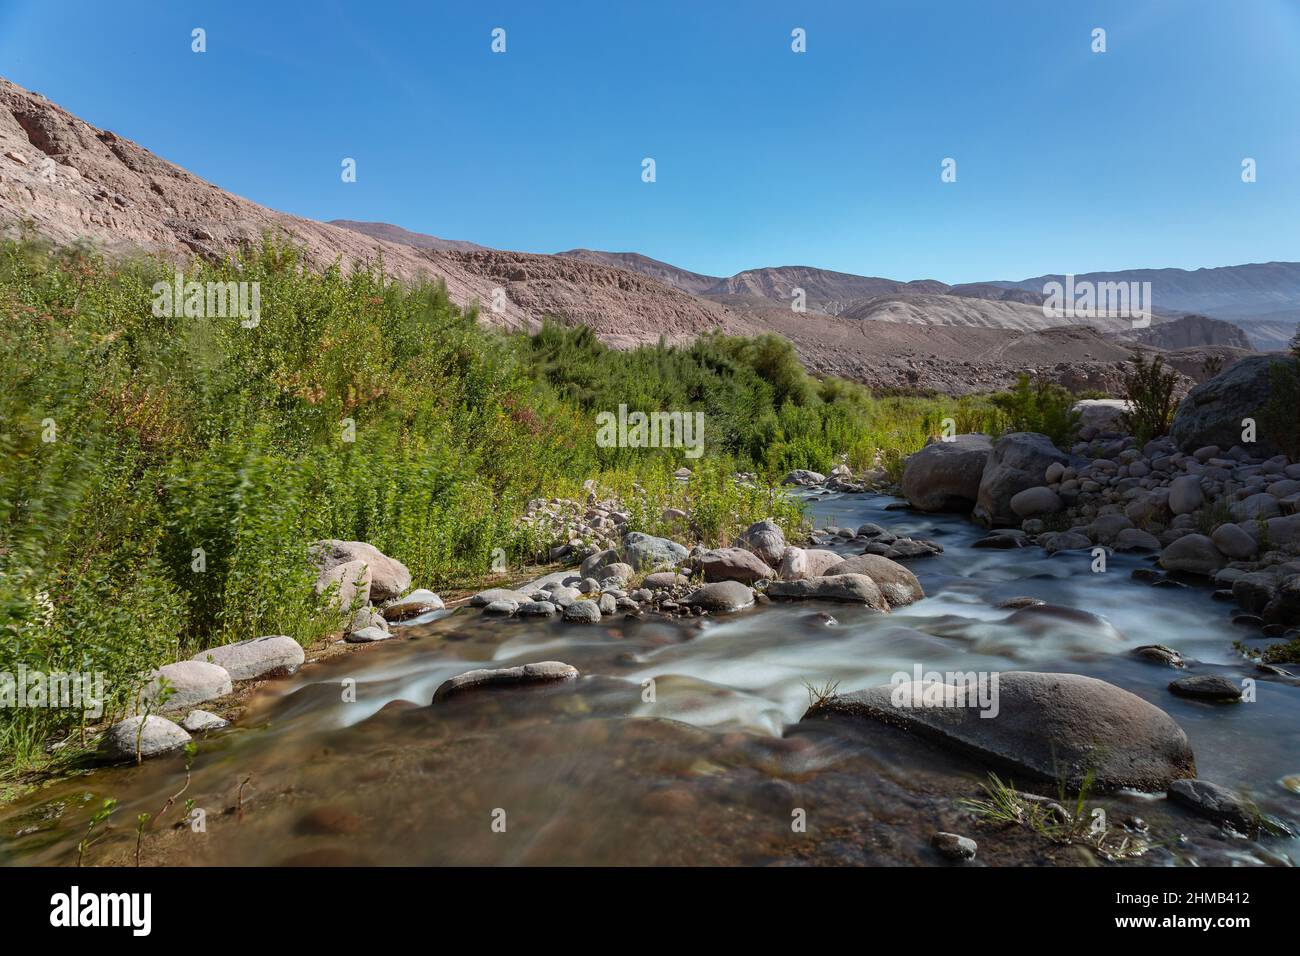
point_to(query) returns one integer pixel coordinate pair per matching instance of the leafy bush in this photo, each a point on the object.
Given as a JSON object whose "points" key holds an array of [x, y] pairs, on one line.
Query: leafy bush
{"points": [[1150, 390], [1041, 406]]}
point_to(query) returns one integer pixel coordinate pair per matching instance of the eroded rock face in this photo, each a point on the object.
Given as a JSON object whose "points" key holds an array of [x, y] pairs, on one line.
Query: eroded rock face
{"points": [[1211, 413], [543, 672], [1018, 462], [849, 588], [1047, 725], [945, 475]]}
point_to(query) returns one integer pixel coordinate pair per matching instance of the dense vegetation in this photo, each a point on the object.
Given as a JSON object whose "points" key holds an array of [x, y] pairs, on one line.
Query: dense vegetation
{"points": [[162, 476]]}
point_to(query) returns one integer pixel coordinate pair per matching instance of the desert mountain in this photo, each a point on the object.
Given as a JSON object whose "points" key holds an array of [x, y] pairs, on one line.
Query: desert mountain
{"points": [[1191, 331], [69, 181]]}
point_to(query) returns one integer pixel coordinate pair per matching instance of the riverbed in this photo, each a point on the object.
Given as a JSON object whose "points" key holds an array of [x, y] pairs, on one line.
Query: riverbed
{"points": [[681, 742]]}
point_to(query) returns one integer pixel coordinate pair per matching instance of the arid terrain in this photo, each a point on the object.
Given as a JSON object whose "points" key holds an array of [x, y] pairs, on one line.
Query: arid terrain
{"points": [[68, 181]]}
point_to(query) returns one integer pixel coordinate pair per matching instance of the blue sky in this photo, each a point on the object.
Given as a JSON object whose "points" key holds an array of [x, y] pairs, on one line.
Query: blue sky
{"points": [[1067, 160]]}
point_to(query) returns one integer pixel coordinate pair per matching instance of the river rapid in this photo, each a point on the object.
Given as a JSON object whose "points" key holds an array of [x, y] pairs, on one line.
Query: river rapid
{"points": [[346, 762]]}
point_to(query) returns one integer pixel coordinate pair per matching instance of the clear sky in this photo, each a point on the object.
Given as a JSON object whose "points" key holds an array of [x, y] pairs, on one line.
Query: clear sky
{"points": [[1067, 160]]}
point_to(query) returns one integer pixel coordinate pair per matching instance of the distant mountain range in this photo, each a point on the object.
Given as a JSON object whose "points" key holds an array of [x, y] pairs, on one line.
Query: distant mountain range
{"points": [[68, 181]]}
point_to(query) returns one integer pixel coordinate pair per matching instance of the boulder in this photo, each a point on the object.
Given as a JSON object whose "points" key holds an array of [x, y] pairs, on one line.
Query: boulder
{"points": [[850, 588], [765, 539], [582, 612], [1135, 539], [803, 477], [492, 595], [1103, 415], [352, 580], [1018, 461], [734, 564], [543, 672], [945, 475], [418, 602], [1234, 542], [1212, 412], [158, 735], [1194, 553], [645, 552], [389, 578], [1033, 502], [594, 565], [1212, 687], [192, 682], [897, 584], [665, 579], [721, 596], [199, 721], [273, 656], [1186, 494], [1052, 726]]}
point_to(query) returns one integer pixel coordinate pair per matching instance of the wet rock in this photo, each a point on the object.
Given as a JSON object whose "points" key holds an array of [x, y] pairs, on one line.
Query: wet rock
{"points": [[1001, 540], [1193, 553], [799, 563], [484, 598], [582, 612], [945, 475], [155, 735], [1216, 803], [367, 635], [1146, 575], [1050, 725], [954, 846], [501, 608], [734, 564], [389, 578], [766, 540], [722, 596], [899, 586], [1018, 461], [418, 602], [1019, 602], [1064, 541], [851, 588], [1254, 591], [803, 477], [537, 609], [191, 682], [1159, 654], [1212, 687], [273, 656], [199, 721], [543, 672]]}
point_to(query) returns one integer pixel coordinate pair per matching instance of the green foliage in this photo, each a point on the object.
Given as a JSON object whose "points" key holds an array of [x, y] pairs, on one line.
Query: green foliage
{"points": [[1281, 413], [1150, 390], [1040, 406]]}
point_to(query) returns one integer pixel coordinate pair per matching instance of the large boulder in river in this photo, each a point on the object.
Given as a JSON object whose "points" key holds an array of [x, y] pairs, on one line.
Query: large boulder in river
{"points": [[1052, 726], [389, 578], [645, 552], [734, 564], [898, 585], [848, 588], [1212, 412], [1194, 553], [945, 475], [1018, 461], [722, 597], [799, 563], [766, 539], [146, 736]]}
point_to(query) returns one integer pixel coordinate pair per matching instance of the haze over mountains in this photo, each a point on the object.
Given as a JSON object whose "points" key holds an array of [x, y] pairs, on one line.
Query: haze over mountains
{"points": [[70, 181]]}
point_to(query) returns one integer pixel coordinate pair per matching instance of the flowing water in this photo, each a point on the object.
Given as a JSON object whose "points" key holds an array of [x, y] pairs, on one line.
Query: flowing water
{"points": [[716, 769]]}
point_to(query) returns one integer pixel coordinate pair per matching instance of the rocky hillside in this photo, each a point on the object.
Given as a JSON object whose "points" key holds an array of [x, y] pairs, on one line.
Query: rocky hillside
{"points": [[1191, 331]]}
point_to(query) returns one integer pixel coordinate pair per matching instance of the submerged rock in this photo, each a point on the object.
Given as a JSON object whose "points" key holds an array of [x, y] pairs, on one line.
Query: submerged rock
{"points": [[198, 721], [1049, 725], [1217, 803], [1158, 654], [543, 672], [418, 602], [723, 596], [954, 846], [1213, 687]]}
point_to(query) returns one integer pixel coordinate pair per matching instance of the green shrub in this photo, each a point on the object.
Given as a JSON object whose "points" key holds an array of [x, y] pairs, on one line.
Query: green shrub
{"points": [[1150, 390], [1041, 406]]}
